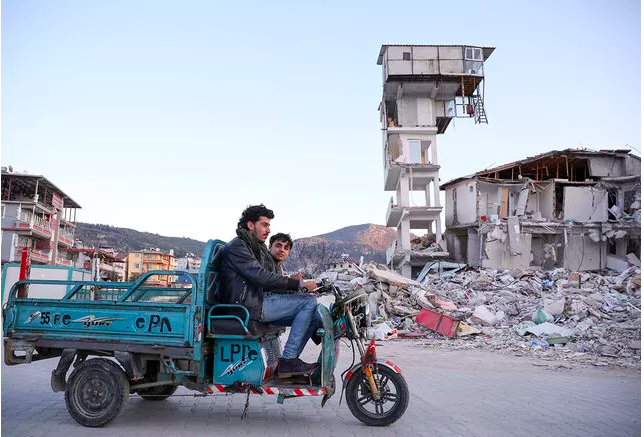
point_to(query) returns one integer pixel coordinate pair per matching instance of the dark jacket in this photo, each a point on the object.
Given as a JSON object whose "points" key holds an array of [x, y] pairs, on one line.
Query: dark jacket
{"points": [[243, 278]]}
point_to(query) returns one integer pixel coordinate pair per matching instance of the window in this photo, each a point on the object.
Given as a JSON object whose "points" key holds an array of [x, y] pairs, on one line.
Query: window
{"points": [[414, 152], [136, 265], [4, 210], [473, 54], [406, 56]]}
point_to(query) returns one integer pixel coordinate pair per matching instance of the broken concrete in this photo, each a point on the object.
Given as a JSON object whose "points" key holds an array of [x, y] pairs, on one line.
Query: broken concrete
{"points": [[598, 316]]}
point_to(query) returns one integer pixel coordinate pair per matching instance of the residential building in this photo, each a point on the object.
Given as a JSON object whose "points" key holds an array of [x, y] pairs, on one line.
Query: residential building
{"points": [[576, 208], [36, 215], [424, 88], [105, 263], [189, 262], [142, 261]]}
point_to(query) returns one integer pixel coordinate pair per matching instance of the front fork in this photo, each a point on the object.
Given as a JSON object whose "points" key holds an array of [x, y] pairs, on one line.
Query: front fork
{"points": [[368, 355], [368, 360]]}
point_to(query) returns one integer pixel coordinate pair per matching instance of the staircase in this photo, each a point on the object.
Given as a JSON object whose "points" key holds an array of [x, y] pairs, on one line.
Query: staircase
{"points": [[479, 111]]}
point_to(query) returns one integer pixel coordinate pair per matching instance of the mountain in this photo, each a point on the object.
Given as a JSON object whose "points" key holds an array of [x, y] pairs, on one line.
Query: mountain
{"points": [[377, 237], [368, 240], [125, 240]]}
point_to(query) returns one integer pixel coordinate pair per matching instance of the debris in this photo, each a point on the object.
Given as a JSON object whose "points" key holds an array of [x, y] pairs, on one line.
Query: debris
{"points": [[555, 308], [633, 259], [549, 329], [438, 322], [483, 316], [596, 316]]}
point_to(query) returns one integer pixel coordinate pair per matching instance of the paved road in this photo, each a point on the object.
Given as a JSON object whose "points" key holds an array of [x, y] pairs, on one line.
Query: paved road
{"points": [[453, 393]]}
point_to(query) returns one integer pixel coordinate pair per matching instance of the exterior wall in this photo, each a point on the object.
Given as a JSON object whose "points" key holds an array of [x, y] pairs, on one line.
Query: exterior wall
{"points": [[489, 199], [7, 246], [460, 208], [632, 166], [134, 264], [10, 214], [546, 199], [424, 60], [585, 204], [451, 60], [473, 247], [606, 166], [581, 253], [498, 254], [407, 111]]}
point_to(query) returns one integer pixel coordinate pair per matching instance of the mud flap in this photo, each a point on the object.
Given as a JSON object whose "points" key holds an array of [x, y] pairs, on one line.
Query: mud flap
{"points": [[58, 382]]}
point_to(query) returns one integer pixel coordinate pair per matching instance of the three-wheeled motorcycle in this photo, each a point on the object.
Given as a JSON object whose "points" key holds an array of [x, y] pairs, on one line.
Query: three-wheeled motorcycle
{"points": [[149, 340]]}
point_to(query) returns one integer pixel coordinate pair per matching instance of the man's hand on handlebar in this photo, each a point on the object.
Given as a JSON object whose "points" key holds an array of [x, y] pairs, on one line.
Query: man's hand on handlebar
{"points": [[297, 276], [310, 286]]}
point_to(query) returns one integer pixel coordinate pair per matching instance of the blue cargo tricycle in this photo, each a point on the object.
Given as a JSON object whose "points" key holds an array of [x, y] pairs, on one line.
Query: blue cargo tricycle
{"points": [[150, 340]]}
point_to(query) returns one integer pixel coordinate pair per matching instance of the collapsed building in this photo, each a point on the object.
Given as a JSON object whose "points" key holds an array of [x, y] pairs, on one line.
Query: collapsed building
{"points": [[424, 87], [576, 209]]}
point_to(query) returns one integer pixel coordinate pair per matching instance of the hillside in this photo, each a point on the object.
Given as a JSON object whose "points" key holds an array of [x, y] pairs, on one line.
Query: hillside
{"points": [[368, 240], [125, 240]]}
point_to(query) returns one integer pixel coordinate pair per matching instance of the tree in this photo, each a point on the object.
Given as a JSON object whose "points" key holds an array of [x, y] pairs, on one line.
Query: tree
{"points": [[311, 258]]}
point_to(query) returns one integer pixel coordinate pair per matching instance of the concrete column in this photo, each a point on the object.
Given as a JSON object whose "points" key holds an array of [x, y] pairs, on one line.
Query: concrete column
{"points": [[405, 270], [437, 192], [403, 234], [428, 195], [403, 189], [434, 151], [54, 248]]}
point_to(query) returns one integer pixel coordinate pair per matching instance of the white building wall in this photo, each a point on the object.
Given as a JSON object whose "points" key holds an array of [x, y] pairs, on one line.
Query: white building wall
{"points": [[546, 199], [585, 204]]}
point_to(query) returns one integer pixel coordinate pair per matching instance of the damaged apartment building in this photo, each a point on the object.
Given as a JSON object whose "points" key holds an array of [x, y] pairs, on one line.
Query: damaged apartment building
{"points": [[577, 209], [424, 88]]}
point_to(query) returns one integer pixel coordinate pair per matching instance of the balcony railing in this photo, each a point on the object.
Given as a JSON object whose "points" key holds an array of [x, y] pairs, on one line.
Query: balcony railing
{"points": [[64, 262], [31, 222], [36, 255], [65, 238]]}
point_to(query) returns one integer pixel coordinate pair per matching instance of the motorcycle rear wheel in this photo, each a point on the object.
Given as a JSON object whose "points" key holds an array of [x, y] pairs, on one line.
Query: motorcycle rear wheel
{"points": [[392, 403]]}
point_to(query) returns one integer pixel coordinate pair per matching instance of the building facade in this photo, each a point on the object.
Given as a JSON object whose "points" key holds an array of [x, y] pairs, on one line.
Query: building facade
{"points": [[424, 88], [142, 261], [105, 264], [189, 262], [38, 216], [576, 209]]}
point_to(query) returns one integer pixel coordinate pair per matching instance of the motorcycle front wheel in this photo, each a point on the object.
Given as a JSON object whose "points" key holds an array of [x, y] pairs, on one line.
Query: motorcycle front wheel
{"points": [[393, 401]]}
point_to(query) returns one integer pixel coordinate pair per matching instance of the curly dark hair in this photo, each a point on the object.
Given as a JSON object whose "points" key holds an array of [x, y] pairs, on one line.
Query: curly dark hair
{"points": [[253, 213], [286, 238]]}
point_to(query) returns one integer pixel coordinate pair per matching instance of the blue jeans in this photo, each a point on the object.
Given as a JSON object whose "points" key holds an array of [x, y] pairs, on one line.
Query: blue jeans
{"points": [[295, 310]]}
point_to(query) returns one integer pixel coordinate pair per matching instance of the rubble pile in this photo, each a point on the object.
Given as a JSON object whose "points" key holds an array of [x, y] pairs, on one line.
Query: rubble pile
{"points": [[585, 317]]}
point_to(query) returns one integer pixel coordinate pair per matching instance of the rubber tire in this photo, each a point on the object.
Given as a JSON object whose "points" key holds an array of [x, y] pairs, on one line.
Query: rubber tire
{"points": [[353, 393], [111, 382], [157, 393]]}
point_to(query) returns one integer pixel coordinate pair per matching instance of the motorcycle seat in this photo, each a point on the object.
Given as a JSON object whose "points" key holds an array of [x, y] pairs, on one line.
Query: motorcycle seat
{"points": [[227, 320]]}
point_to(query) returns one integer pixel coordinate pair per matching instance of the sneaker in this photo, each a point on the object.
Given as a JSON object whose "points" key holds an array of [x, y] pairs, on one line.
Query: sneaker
{"points": [[294, 366]]}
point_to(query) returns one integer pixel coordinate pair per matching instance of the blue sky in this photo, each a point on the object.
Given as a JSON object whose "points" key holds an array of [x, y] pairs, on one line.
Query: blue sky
{"points": [[172, 117]]}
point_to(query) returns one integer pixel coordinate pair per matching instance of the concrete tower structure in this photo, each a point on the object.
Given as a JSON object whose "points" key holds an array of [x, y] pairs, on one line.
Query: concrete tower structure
{"points": [[423, 88]]}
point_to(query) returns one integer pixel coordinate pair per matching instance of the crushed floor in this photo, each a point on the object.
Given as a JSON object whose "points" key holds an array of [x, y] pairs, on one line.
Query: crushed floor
{"points": [[560, 315]]}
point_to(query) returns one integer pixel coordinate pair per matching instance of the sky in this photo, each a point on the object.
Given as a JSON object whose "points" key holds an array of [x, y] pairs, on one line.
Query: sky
{"points": [[172, 116]]}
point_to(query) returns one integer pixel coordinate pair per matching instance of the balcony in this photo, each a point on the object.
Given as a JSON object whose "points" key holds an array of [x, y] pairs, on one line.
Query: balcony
{"points": [[65, 239], [164, 262], [30, 224], [37, 256], [419, 217], [64, 262]]}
